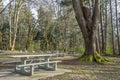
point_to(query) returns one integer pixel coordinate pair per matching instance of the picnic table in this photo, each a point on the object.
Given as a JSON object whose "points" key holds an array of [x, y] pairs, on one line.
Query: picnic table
{"points": [[28, 63]]}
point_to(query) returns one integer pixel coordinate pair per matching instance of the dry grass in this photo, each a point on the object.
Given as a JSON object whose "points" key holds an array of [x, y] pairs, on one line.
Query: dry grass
{"points": [[90, 71], [82, 70]]}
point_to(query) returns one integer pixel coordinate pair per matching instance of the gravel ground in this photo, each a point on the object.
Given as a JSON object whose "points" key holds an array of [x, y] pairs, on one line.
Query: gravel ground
{"points": [[8, 74]]}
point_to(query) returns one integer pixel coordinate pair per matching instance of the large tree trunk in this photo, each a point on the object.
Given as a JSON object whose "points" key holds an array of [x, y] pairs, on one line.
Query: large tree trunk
{"points": [[88, 24], [90, 44], [91, 53]]}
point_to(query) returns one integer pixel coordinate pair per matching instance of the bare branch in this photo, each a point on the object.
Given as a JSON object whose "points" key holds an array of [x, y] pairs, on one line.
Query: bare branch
{"points": [[79, 15], [6, 6]]}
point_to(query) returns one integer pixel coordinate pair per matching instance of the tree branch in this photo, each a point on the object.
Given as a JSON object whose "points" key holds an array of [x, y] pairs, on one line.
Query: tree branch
{"points": [[81, 3], [96, 11], [6, 6], [79, 15]]}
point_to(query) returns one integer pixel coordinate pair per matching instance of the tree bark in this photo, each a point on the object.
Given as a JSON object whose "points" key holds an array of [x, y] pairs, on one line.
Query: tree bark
{"points": [[10, 24], [88, 24], [90, 44], [116, 4], [28, 37], [102, 31], [16, 18], [106, 27], [113, 45]]}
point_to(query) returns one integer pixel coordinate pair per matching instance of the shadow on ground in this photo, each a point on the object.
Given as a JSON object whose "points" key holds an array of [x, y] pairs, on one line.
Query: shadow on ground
{"points": [[90, 71]]}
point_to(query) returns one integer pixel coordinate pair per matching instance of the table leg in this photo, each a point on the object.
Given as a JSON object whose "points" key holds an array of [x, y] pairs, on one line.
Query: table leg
{"points": [[31, 70], [23, 61], [47, 60], [15, 68], [55, 66]]}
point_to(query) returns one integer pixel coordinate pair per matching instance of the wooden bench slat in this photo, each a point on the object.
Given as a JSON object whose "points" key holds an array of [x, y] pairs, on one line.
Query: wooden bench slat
{"points": [[10, 62], [27, 56], [37, 63]]}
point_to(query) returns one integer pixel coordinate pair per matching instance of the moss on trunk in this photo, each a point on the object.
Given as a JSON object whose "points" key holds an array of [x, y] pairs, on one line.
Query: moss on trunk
{"points": [[94, 58]]}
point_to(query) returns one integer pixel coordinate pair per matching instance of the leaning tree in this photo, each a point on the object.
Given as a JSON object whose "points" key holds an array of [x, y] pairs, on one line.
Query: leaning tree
{"points": [[88, 21]]}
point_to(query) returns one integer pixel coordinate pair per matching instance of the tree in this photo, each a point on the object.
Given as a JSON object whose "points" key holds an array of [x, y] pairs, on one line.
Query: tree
{"points": [[29, 22], [88, 24], [111, 15], [106, 2], [18, 5], [116, 4], [1, 11], [102, 28], [10, 25]]}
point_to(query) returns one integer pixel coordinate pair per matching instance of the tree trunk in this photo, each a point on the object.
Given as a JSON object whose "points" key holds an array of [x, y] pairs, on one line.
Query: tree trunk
{"points": [[16, 18], [91, 53], [106, 27], [97, 45], [102, 31], [116, 4], [10, 24], [28, 38], [99, 39], [90, 44], [28, 41], [113, 45], [88, 24]]}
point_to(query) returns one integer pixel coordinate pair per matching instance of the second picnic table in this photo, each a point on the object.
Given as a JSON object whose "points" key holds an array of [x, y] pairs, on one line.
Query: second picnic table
{"points": [[29, 62]]}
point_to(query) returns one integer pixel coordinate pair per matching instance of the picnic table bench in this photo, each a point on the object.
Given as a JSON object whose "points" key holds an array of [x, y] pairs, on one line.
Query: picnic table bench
{"points": [[10, 62], [28, 63]]}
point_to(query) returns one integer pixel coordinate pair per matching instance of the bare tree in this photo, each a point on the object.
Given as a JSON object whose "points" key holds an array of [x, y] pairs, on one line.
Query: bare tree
{"points": [[5, 6]]}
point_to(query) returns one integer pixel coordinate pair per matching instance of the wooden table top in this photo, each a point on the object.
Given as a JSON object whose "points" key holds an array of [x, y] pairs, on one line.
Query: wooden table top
{"points": [[27, 56]]}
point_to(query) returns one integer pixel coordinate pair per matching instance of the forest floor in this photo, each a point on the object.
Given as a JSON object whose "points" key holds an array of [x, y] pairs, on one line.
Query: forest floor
{"points": [[90, 71], [83, 70]]}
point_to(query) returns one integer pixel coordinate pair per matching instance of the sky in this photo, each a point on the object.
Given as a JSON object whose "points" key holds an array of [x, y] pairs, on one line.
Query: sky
{"points": [[5, 2], [34, 11]]}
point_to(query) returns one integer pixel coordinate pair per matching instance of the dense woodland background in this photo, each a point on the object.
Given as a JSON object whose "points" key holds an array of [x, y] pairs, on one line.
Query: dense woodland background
{"points": [[50, 25]]}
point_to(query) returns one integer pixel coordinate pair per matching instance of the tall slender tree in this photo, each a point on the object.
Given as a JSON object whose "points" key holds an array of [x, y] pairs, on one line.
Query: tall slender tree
{"points": [[102, 27], [10, 25], [18, 6], [112, 30], [116, 4], [106, 11]]}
